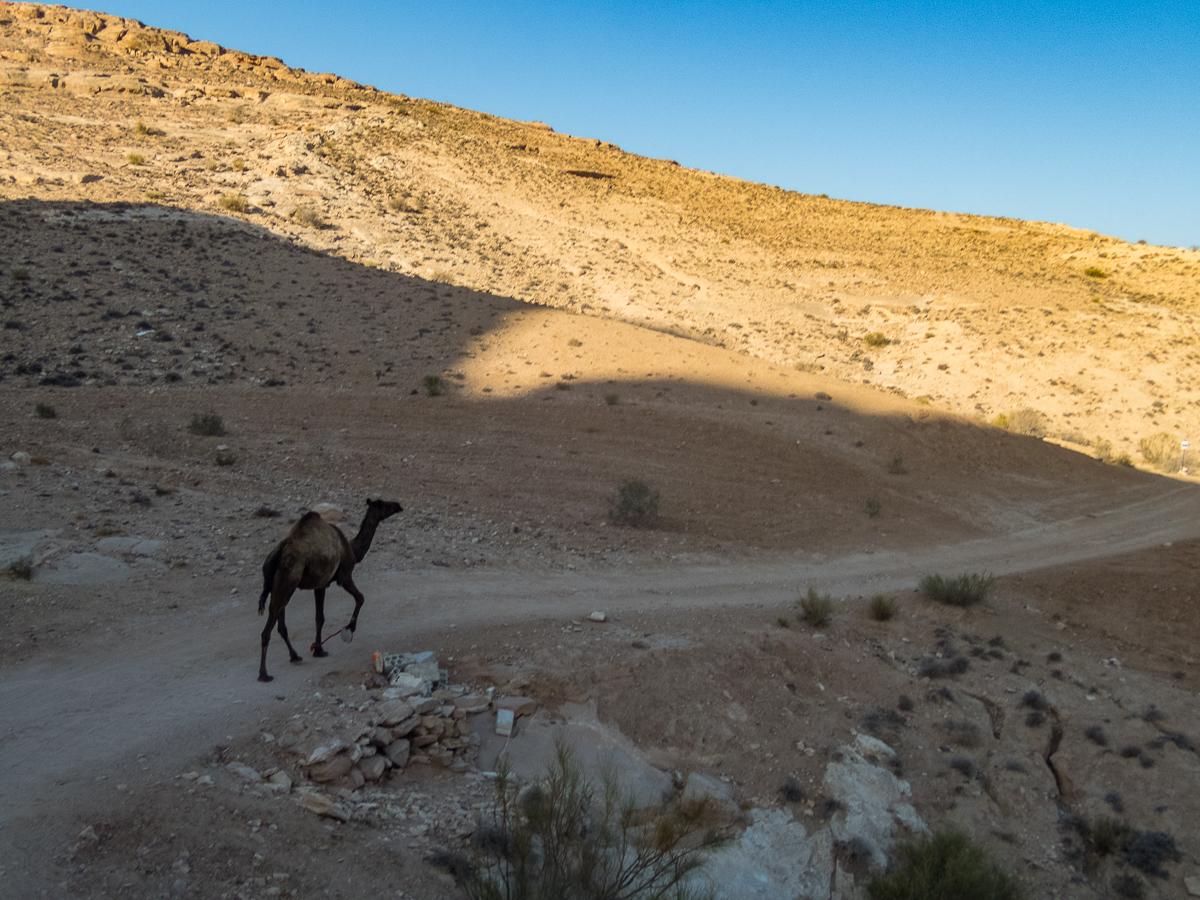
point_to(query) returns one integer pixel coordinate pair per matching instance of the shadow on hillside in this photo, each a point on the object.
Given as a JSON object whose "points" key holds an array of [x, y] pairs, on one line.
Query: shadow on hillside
{"points": [[207, 311]]}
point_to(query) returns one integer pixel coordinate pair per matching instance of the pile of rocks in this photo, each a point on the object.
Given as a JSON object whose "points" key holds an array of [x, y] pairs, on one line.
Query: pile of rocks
{"points": [[418, 720]]}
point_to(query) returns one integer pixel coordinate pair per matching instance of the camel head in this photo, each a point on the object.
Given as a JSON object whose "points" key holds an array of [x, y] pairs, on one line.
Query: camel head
{"points": [[382, 509]]}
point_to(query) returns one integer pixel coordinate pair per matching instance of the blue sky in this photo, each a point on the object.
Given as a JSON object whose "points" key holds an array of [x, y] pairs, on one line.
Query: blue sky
{"points": [[1087, 114]]}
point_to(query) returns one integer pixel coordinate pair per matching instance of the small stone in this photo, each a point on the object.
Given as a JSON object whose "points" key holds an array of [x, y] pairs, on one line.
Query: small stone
{"points": [[89, 834], [322, 806], [281, 781], [598, 616], [245, 772], [1192, 883], [504, 722], [328, 512]]}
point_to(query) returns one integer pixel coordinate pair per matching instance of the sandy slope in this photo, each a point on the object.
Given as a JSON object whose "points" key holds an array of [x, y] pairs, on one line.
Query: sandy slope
{"points": [[984, 316], [700, 333]]}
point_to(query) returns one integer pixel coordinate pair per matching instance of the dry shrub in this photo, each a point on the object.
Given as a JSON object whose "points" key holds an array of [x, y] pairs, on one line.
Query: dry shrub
{"points": [[815, 608], [1027, 421], [566, 836], [635, 504], [1163, 451]]}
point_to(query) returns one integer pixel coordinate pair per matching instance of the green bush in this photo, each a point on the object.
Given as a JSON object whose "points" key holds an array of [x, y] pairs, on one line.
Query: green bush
{"points": [[876, 339], [136, 159], [566, 837], [207, 424], [946, 865], [1093, 272], [874, 507], [815, 608], [42, 411], [611, 399], [882, 608], [433, 385], [225, 459], [961, 590], [634, 504]]}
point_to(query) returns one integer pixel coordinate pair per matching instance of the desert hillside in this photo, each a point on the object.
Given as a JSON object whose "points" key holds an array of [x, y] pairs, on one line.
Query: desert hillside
{"points": [[233, 291], [980, 316]]}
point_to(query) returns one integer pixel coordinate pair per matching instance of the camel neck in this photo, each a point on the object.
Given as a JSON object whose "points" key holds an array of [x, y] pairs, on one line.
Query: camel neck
{"points": [[361, 542]]}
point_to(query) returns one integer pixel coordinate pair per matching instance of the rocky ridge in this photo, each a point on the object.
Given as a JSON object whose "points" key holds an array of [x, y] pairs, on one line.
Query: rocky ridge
{"points": [[983, 316]]}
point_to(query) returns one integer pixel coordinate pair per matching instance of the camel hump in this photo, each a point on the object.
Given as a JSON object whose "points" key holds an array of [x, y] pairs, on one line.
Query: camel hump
{"points": [[306, 524]]}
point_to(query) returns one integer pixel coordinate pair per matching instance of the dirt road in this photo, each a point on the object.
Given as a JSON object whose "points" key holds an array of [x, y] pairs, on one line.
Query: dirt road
{"points": [[153, 698]]}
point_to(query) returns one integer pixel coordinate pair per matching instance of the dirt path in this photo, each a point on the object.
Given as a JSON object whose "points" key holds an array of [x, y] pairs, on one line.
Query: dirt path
{"points": [[153, 699]]}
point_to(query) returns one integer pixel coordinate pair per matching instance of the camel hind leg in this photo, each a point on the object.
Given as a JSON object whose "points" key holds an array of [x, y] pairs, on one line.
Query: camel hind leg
{"points": [[275, 616]]}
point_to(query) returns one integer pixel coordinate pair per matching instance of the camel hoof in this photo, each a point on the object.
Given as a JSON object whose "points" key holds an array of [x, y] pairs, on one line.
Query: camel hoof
{"points": [[297, 658], [320, 651], [263, 676]]}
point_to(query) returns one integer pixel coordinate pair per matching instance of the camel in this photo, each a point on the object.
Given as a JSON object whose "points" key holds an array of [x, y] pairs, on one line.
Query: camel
{"points": [[311, 557]]}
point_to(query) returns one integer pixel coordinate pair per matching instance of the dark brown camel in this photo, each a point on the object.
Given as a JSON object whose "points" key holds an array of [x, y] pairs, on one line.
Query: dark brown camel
{"points": [[311, 557]]}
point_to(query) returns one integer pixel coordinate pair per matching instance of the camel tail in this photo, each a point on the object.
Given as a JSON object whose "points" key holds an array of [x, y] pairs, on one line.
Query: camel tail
{"points": [[269, 567]]}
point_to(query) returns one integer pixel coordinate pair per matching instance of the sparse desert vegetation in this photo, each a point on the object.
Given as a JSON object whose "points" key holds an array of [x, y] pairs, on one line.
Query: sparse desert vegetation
{"points": [[815, 608], [967, 589], [635, 504], [703, 327]]}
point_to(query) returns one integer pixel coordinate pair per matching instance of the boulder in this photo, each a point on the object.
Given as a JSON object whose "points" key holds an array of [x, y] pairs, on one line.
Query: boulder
{"points": [[472, 703], [405, 728], [331, 769], [281, 781], [397, 752], [520, 706], [408, 685], [392, 712], [372, 769], [326, 752]]}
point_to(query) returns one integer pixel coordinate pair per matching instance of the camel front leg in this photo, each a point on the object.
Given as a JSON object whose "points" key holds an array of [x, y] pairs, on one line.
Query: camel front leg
{"points": [[319, 596], [348, 584]]}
